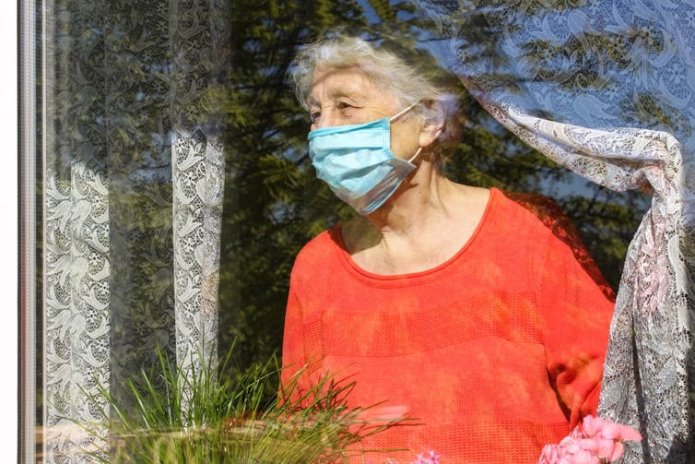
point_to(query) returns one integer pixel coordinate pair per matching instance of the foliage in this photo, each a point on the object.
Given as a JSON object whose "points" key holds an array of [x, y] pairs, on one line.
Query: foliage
{"points": [[213, 419]]}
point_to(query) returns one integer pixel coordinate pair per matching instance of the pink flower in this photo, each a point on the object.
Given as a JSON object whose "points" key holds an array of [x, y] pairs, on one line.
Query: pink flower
{"points": [[570, 452], [550, 454], [431, 457], [593, 427], [610, 450], [582, 457], [599, 441]]}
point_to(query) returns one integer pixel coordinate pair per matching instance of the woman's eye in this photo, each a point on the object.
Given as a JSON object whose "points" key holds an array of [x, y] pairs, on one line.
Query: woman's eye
{"points": [[343, 105], [314, 116]]}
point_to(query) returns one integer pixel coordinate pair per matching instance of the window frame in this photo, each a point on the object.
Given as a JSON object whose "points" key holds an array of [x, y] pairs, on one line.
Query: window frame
{"points": [[18, 184]]}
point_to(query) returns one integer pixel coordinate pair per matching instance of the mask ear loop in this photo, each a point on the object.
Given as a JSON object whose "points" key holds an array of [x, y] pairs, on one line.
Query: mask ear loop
{"points": [[401, 113], [398, 115], [415, 155]]}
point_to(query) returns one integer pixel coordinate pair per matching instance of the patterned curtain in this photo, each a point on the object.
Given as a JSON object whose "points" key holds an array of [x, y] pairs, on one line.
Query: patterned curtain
{"points": [[606, 88], [133, 184]]}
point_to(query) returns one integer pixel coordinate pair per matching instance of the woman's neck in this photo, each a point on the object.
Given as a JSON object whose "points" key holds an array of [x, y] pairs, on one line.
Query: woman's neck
{"points": [[424, 200], [427, 221]]}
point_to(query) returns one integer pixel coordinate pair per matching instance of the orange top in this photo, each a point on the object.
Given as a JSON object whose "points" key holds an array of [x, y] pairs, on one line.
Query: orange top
{"points": [[496, 352]]}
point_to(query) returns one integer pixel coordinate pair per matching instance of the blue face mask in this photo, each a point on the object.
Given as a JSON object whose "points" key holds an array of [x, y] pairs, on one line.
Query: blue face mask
{"points": [[357, 163]]}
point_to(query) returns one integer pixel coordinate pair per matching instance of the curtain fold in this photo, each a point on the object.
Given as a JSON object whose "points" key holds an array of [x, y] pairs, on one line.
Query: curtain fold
{"points": [[133, 182], [606, 89], [77, 320], [198, 163]]}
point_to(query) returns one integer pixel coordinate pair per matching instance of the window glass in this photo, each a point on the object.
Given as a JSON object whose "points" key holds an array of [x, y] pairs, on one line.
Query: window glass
{"points": [[175, 191]]}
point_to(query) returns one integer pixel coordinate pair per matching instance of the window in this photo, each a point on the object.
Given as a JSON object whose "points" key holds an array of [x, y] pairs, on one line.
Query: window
{"points": [[172, 190]]}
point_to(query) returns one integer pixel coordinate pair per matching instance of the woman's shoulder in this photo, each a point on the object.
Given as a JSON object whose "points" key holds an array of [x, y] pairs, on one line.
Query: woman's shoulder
{"points": [[533, 217], [527, 227], [317, 246], [552, 237], [317, 255], [538, 208]]}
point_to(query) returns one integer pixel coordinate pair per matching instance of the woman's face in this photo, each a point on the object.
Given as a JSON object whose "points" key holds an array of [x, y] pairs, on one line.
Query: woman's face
{"points": [[347, 96]]}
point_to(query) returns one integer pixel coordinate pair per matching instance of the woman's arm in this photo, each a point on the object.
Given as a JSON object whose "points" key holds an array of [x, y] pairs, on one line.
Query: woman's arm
{"points": [[292, 382], [572, 295]]}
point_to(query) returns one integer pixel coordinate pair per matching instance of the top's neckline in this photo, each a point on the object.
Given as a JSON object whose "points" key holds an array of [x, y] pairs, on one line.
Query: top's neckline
{"points": [[411, 277]]}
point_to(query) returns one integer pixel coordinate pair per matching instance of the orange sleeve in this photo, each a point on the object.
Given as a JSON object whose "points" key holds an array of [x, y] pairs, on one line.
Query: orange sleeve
{"points": [[572, 295], [293, 356]]}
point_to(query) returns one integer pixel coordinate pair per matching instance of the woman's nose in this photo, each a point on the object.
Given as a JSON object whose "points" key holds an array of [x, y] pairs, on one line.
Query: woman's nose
{"points": [[328, 118]]}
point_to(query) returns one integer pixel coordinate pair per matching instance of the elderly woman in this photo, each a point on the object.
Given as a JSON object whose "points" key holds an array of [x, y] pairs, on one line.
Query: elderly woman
{"points": [[452, 304]]}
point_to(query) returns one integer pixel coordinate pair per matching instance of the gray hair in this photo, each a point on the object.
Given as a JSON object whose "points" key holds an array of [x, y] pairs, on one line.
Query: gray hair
{"points": [[389, 71]]}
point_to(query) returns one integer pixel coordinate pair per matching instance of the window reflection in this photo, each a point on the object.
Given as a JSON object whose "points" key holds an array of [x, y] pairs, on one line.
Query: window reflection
{"points": [[176, 191]]}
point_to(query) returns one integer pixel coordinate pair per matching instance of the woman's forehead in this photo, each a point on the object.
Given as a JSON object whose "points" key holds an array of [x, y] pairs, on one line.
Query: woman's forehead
{"points": [[353, 82]]}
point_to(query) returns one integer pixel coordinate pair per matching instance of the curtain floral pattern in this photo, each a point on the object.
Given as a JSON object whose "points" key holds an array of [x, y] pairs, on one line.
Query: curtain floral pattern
{"points": [[198, 165], [133, 183], [606, 89], [76, 304]]}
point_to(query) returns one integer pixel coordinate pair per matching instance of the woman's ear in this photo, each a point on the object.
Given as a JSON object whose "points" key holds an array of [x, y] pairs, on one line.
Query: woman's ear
{"points": [[433, 125]]}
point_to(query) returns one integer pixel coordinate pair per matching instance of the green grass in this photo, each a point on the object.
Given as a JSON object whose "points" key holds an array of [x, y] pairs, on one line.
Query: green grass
{"points": [[208, 418]]}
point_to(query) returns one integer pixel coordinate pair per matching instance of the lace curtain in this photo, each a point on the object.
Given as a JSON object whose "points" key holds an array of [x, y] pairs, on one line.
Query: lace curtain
{"points": [[133, 185], [606, 88]]}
